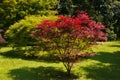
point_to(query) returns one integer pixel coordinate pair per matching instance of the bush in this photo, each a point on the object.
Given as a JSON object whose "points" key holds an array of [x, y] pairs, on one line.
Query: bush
{"points": [[18, 34]]}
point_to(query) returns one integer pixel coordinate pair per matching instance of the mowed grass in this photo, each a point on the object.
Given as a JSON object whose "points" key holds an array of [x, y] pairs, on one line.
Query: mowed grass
{"points": [[105, 65]]}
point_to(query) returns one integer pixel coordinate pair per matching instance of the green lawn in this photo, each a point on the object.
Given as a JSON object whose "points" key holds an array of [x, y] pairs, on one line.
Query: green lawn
{"points": [[104, 66]]}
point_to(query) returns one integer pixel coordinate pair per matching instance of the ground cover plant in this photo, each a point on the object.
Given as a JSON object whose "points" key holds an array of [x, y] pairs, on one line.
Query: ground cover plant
{"points": [[72, 37]]}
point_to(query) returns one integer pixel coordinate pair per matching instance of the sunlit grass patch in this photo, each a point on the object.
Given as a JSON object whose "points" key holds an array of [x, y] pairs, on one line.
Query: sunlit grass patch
{"points": [[105, 65]]}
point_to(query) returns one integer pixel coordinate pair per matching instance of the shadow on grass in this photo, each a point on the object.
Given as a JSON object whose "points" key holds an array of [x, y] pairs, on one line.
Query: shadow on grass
{"points": [[20, 54], [115, 46], [107, 69], [13, 54], [40, 73]]}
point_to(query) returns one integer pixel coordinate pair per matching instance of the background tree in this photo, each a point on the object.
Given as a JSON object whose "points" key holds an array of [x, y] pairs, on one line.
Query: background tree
{"points": [[65, 7], [105, 11], [13, 10]]}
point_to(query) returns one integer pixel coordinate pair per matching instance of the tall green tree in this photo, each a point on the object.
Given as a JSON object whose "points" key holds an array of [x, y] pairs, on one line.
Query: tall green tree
{"points": [[65, 7], [13, 10], [105, 11]]}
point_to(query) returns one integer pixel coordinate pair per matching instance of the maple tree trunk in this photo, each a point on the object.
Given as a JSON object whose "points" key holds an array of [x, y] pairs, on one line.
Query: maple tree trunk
{"points": [[69, 72]]}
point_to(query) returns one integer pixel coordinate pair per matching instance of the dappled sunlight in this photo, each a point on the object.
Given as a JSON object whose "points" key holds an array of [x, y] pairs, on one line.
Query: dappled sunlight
{"points": [[39, 73], [103, 72], [105, 66]]}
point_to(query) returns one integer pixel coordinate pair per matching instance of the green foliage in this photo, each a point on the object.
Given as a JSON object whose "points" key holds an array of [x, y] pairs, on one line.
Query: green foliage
{"points": [[111, 17], [14, 10], [105, 11], [65, 7], [111, 35], [19, 34]]}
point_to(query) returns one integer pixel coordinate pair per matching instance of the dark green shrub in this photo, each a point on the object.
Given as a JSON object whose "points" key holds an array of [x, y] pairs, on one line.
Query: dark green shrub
{"points": [[111, 35]]}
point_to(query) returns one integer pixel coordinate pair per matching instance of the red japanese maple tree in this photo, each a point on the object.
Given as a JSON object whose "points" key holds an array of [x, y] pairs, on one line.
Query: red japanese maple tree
{"points": [[72, 37]]}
